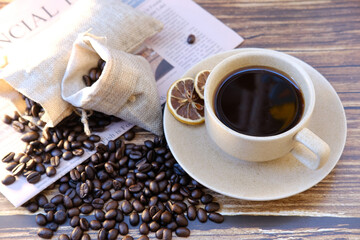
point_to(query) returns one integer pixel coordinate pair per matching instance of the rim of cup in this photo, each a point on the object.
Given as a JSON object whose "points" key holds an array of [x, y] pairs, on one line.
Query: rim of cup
{"points": [[309, 104]]}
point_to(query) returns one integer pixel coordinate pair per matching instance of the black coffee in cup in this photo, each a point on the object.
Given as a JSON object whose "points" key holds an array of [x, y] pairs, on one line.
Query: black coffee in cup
{"points": [[259, 101]]}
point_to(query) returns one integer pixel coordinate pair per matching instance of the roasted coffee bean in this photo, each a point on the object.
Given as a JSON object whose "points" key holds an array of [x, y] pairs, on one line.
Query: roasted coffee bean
{"points": [[63, 187], [11, 165], [95, 225], [77, 201], [63, 237], [206, 198], [50, 171], [123, 228], [86, 208], [144, 229], [76, 234], [84, 224], [8, 179], [129, 135], [111, 205], [113, 234], [73, 212], [50, 216], [49, 207], [157, 215], [92, 74], [135, 187], [84, 190], [50, 147], [56, 152], [40, 219], [138, 207], [109, 224], [33, 177], [32, 207], [75, 221], [88, 144], [60, 217], [182, 232], [7, 119], [40, 168], [60, 207], [8, 157], [149, 144], [190, 39], [57, 199], [67, 155], [30, 136], [159, 233], [212, 207], [196, 193], [111, 214], [68, 203], [18, 169], [75, 175], [166, 217], [45, 233], [201, 215], [126, 207], [85, 236], [90, 172], [216, 217], [78, 152], [71, 193], [99, 215], [24, 159], [154, 187], [102, 234], [76, 144], [176, 197], [145, 216], [167, 234], [134, 218], [176, 208], [30, 164], [41, 200], [154, 226], [52, 226], [191, 213], [98, 203], [18, 126], [87, 80], [181, 221], [94, 138], [118, 195]]}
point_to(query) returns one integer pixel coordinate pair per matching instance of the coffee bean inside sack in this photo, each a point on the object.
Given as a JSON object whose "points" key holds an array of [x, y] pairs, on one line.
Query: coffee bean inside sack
{"points": [[124, 185]]}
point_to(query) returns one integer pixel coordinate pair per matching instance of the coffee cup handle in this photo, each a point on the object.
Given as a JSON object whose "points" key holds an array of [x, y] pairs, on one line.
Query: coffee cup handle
{"points": [[310, 149]]}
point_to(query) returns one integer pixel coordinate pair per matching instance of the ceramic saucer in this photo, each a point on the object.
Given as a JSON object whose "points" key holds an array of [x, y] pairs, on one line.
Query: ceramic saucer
{"points": [[276, 179]]}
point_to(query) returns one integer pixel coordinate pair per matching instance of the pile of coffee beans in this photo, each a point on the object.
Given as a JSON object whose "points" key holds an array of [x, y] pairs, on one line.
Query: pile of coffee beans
{"points": [[47, 147], [94, 73], [143, 183], [140, 183]]}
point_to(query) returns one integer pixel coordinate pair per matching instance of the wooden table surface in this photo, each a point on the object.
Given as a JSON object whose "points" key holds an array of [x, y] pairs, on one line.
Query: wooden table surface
{"points": [[325, 34]]}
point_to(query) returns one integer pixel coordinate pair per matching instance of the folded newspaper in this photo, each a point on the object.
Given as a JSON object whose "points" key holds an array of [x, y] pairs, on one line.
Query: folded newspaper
{"points": [[168, 53]]}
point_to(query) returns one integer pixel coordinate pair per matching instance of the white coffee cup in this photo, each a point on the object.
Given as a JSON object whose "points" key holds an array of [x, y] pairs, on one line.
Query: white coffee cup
{"points": [[301, 142]]}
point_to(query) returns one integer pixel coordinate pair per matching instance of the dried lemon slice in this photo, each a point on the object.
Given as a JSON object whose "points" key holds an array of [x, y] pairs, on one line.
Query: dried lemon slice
{"points": [[184, 103], [200, 81]]}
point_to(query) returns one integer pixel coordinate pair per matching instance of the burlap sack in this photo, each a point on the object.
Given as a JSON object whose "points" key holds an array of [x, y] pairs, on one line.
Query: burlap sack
{"points": [[126, 87], [37, 67]]}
